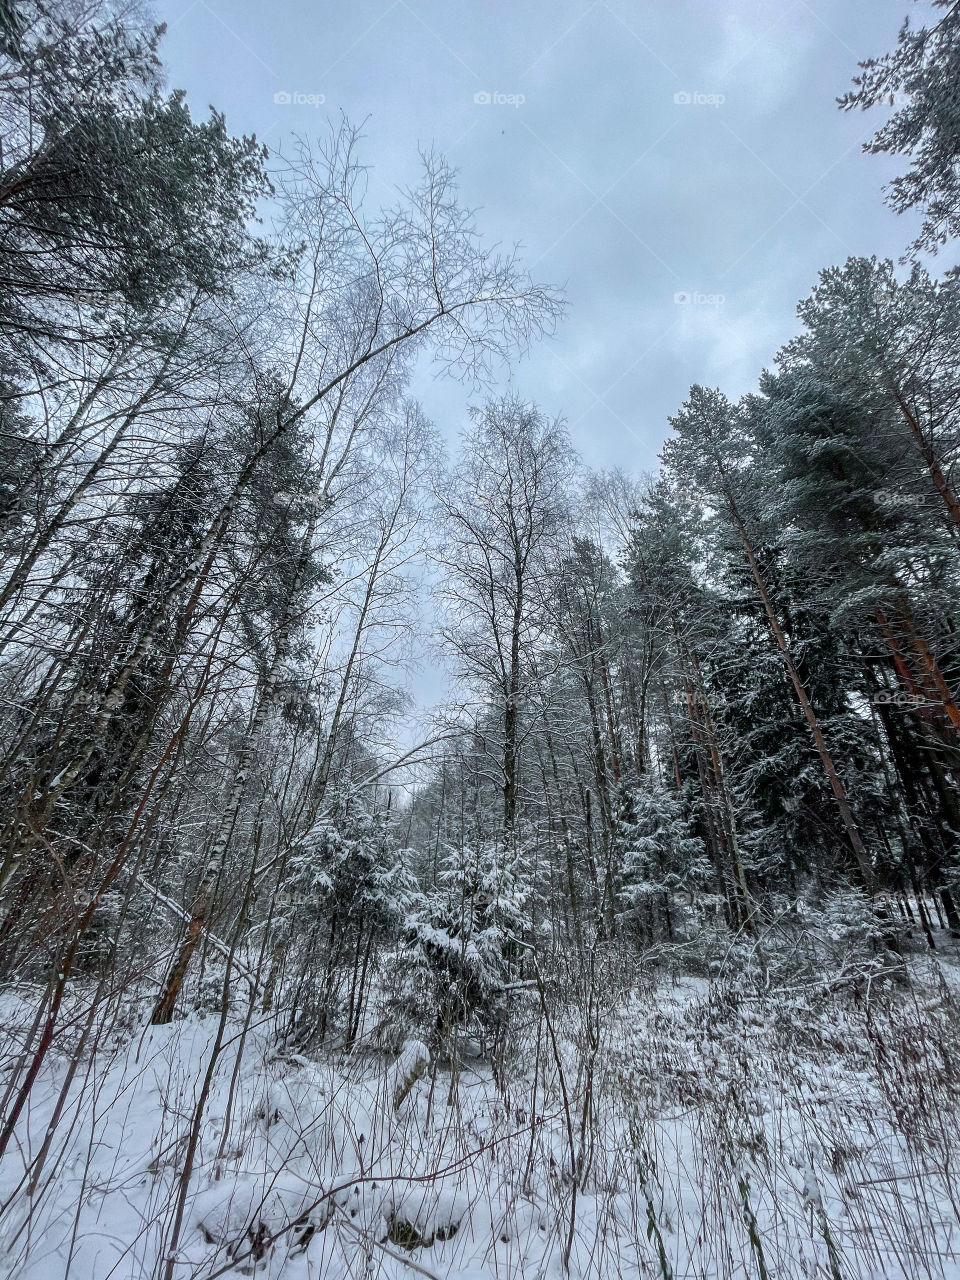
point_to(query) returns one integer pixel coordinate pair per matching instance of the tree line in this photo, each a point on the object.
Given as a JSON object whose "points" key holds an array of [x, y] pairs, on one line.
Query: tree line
{"points": [[687, 706]]}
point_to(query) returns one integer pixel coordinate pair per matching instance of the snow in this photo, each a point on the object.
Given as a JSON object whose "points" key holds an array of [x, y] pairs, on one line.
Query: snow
{"points": [[730, 1134]]}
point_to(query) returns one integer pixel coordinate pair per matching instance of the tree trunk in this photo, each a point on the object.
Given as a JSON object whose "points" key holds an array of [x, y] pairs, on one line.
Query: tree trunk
{"points": [[836, 786]]}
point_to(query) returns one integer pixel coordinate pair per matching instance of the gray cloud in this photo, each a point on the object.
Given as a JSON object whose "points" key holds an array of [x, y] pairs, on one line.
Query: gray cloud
{"points": [[624, 194]]}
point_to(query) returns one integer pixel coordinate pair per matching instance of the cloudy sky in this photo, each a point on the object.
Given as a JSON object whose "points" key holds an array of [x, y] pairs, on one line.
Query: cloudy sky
{"points": [[639, 150]]}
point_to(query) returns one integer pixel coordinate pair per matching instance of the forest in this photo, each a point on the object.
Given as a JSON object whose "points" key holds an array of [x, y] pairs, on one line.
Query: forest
{"points": [[639, 957]]}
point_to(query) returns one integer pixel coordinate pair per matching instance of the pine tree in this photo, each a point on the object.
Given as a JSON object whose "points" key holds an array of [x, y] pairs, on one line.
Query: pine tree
{"points": [[713, 451], [346, 892], [659, 860], [464, 946], [920, 78]]}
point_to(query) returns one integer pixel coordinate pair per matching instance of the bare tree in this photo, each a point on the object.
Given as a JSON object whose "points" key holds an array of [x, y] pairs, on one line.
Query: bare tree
{"points": [[503, 506]]}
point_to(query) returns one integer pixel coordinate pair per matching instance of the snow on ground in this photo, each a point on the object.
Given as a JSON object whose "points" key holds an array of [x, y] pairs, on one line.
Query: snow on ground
{"points": [[713, 1131]]}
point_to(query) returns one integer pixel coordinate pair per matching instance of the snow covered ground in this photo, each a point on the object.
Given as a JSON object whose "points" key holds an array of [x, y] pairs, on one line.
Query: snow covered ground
{"points": [[706, 1130]]}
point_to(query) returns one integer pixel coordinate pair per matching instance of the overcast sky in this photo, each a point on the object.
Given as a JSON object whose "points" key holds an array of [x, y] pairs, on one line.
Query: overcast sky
{"points": [[739, 189]]}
